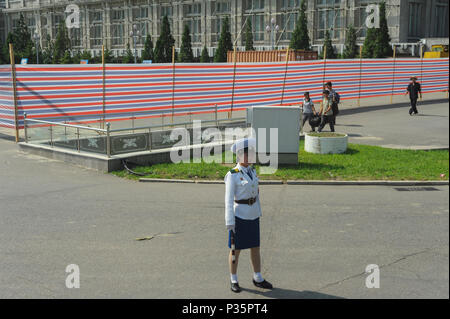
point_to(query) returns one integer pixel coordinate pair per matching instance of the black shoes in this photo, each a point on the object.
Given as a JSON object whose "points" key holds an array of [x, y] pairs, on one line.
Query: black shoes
{"points": [[265, 284], [235, 287]]}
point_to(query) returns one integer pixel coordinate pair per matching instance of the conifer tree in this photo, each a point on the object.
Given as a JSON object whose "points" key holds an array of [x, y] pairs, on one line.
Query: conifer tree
{"points": [[186, 54], [249, 36], [351, 48], [204, 58], [300, 37], [329, 47], [225, 43], [147, 54], [164, 44]]}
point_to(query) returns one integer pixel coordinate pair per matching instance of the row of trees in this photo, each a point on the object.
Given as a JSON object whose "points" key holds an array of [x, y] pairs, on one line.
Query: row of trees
{"points": [[59, 50]]}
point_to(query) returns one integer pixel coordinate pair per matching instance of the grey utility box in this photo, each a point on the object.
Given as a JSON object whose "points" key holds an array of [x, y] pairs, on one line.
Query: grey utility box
{"points": [[287, 120]]}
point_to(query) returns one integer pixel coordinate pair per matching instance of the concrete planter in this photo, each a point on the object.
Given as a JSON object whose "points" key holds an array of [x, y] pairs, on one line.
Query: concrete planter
{"points": [[326, 145]]}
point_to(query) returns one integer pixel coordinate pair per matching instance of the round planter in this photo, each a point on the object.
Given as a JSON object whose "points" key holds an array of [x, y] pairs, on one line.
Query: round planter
{"points": [[326, 145]]}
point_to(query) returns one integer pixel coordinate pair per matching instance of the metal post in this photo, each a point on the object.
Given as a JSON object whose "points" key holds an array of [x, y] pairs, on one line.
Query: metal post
{"points": [[360, 74], [393, 75], [216, 115], [13, 71], [51, 135], [173, 81], [421, 66], [108, 140], [25, 126], [230, 114], [103, 86], [78, 140], [135, 52], [285, 75], [149, 139]]}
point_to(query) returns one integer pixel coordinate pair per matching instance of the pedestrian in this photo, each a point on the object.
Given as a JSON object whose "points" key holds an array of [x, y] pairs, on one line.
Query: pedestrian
{"points": [[308, 111], [335, 99], [326, 112], [414, 90], [242, 212]]}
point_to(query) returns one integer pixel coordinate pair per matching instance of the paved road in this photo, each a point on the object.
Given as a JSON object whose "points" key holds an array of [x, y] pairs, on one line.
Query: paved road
{"points": [[316, 241], [391, 125]]}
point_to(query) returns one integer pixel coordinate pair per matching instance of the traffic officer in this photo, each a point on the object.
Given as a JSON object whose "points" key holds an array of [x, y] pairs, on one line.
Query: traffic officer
{"points": [[242, 212]]}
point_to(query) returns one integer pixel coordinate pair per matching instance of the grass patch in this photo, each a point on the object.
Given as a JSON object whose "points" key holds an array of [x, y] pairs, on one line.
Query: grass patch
{"points": [[360, 162]]}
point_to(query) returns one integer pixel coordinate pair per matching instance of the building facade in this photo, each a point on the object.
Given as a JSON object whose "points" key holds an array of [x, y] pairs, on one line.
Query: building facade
{"points": [[109, 22]]}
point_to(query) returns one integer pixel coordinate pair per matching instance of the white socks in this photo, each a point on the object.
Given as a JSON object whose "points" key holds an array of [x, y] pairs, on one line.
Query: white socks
{"points": [[258, 277]]}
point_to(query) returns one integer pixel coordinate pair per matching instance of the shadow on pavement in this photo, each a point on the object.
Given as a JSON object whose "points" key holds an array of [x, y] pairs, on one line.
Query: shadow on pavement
{"points": [[430, 115], [9, 137], [280, 293], [350, 125], [388, 106]]}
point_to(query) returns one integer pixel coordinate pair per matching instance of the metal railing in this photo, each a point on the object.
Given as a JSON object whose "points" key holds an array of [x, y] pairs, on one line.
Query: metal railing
{"points": [[108, 131]]}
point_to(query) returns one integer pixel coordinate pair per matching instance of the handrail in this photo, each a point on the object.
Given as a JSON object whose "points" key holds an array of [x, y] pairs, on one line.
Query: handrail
{"points": [[175, 124], [66, 125]]}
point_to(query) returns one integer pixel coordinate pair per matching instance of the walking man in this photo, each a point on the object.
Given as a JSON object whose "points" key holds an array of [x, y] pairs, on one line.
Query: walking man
{"points": [[414, 90], [334, 100], [326, 112], [242, 212]]}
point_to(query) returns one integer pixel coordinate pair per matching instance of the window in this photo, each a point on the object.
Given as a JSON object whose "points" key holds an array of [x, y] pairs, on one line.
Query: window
{"points": [[328, 2], [288, 22], [216, 27], [289, 4], [141, 20], [96, 27], [288, 17], [75, 36], [166, 11], [252, 5], [329, 19], [192, 9], [194, 29], [441, 21], [415, 15], [193, 13], [96, 32], [223, 7]]}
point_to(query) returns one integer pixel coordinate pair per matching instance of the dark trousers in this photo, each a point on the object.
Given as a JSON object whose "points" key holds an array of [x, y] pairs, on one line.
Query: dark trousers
{"points": [[413, 108], [306, 117], [327, 119]]}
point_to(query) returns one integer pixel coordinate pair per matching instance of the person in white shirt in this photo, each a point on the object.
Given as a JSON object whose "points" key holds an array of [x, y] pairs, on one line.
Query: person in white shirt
{"points": [[242, 212]]}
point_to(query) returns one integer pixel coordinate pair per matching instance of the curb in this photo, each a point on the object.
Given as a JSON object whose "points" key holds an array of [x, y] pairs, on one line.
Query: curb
{"points": [[165, 180], [368, 183], [296, 182]]}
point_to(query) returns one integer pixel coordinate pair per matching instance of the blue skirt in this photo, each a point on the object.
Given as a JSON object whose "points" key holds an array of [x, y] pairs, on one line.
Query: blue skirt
{"points": [[246, 234]]}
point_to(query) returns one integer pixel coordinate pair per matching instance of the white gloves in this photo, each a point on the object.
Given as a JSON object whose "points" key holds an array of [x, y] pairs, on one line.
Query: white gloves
{"points": [[230, 227]]}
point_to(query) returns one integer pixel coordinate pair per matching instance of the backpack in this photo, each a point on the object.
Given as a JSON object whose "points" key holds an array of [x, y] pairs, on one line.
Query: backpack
{"points": [[337, 97], [334, 105]]}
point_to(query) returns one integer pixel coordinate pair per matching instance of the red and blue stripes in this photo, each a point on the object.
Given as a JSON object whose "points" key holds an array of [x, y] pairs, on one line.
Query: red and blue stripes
{"points": [[75, 92]]}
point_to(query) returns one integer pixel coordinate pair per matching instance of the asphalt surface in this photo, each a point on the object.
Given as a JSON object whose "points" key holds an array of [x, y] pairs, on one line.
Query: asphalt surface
{"points": [[316, 240], [391, 126]]}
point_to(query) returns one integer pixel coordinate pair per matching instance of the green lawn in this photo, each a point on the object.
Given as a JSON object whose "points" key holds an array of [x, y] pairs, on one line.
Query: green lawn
{"points": [[360, 162]]}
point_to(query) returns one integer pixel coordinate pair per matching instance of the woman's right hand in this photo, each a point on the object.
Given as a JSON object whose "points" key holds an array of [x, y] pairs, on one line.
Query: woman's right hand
{"points": [[230, 227]]}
